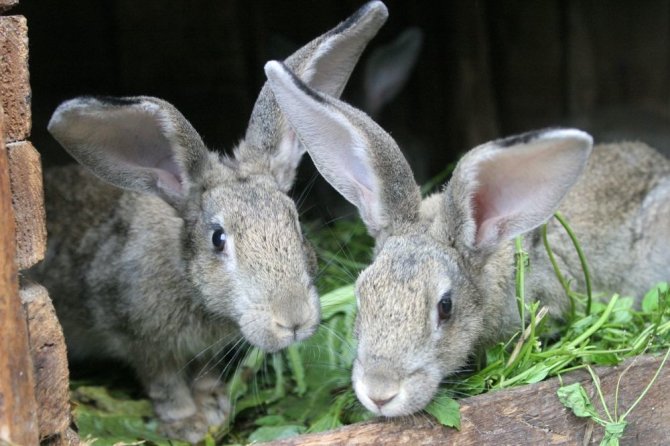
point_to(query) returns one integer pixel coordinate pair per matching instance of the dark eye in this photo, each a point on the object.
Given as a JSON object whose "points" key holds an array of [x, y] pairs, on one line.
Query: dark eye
{"points": [[219, 239], [444, 306]]}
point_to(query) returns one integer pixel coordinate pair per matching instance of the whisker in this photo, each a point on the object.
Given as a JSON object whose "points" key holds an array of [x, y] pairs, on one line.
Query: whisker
{"points": [[305, 192], [218, 358], [199, 354]]}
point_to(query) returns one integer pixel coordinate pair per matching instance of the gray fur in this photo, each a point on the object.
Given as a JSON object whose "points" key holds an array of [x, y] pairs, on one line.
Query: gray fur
{"points": [[131, 264], [460, 241]]}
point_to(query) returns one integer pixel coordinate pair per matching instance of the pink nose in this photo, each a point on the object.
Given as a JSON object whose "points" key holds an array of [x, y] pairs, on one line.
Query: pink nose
{"points": [[383, 402]]}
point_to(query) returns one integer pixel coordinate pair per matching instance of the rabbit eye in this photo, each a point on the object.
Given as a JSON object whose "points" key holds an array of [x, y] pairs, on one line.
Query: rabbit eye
{"points": [[444, 306], [219, 239]]}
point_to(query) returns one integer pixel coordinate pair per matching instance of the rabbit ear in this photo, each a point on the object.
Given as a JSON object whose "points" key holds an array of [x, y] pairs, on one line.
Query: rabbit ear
{"points": [[351, 151], [388, 68], [136, 143], [507, 187], [325, 64]]}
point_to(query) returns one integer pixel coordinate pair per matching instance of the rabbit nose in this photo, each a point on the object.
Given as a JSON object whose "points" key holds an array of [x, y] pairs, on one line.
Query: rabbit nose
{"points": [[381, 402], [289, 327], [299, 329]]}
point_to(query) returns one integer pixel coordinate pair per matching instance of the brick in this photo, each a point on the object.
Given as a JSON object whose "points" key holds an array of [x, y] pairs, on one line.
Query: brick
{"points": [[49, 355], [25, 171], [14, 78]]}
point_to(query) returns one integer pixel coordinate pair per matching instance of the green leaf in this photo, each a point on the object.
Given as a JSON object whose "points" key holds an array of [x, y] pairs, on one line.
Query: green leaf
{"points": [[574, 397], [269, 433], [538, 374], [621, 314], [650, 300], [280, 380], [298, 369], [602, 359], [326, 422], [446, 410], [270, 420], [115, 419], [340, 300], [104, 401], [208, 440], [613, 432]]}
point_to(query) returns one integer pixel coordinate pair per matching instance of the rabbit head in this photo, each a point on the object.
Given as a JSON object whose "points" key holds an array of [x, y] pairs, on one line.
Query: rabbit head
{"points": [[240, 243], [438, 284]]}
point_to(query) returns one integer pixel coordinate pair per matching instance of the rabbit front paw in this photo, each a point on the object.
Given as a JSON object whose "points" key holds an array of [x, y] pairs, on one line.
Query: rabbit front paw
{"points": [[211, 400], [191, 429], [211, 407], [172, 400]]}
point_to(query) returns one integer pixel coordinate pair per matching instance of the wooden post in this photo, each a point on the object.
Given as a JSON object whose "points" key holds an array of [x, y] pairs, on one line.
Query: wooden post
{"points": [[18, 420], [14, 80], [7, 4], [25, 172], [49, 355], [34, 379]]}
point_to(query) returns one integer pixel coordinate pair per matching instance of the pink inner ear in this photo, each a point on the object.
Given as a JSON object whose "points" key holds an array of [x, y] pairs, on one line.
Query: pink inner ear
{"points": [[485, 213], [504, 189], [168, 182], [518, 188]]}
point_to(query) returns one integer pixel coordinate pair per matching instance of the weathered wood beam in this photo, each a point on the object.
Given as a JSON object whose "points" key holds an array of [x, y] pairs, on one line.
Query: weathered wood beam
{"points": [[25, 172], [526, 415], [7, 4], [47, 345], [14, 78], [18, 420]]}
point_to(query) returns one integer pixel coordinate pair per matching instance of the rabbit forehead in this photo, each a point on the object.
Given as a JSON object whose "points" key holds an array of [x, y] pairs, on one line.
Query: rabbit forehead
{"points": [[412, 257], [244, 202], [398, 292], [262, 220]]}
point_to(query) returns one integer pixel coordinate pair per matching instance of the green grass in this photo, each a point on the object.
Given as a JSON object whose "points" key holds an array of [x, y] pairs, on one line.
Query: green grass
{"points": [[307, 388]]}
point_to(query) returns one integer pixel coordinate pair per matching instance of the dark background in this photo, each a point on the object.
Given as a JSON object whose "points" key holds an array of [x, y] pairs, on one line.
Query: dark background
{"points": [[486, 68]]}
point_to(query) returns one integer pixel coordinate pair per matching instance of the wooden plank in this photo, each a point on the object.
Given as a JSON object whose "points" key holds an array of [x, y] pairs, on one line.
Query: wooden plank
{"points": [[14, 78], [526, 415], [7, 4], [25, 172], [18, 422], [49, 355]]}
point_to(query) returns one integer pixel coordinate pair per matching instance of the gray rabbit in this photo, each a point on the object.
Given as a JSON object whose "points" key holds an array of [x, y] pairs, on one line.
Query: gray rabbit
{"points": [[442, 281], [179, 252]]}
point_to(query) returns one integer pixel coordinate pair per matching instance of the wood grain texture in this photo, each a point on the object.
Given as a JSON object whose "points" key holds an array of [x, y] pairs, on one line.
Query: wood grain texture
{"points": [[49, 355], [526, 415], [18, 420], [14, 78], [25, 171], [7, 4]]}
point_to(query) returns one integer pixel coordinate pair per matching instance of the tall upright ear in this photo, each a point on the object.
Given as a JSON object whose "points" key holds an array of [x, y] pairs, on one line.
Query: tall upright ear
{"points": [[136, 143], [388, 68], [325, 64], [359, 159], [506, 187]]}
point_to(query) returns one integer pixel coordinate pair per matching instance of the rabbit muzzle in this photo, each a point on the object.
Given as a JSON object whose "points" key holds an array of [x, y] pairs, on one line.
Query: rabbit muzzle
{"points": [[386, 391]]}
